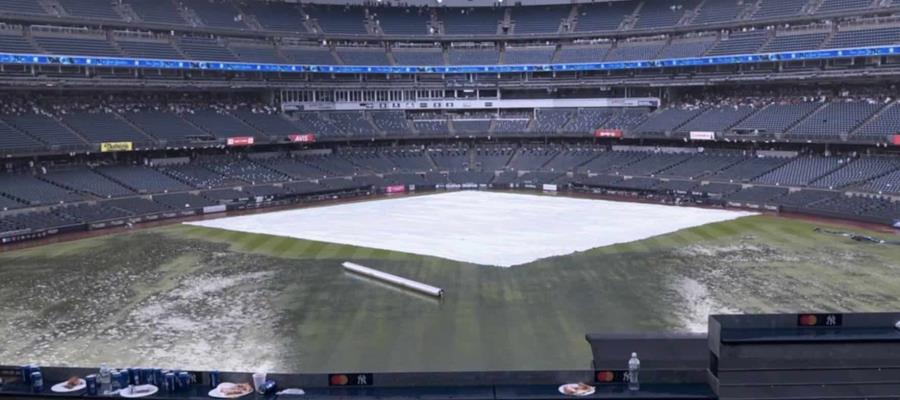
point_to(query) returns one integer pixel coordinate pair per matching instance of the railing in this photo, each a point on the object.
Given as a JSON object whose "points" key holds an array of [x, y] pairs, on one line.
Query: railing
{"points": [[121, 62]]}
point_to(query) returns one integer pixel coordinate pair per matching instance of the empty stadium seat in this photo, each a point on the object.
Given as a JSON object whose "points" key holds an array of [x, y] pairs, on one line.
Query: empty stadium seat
{"points": [[605, 16], [155, 11], [216, 13]]}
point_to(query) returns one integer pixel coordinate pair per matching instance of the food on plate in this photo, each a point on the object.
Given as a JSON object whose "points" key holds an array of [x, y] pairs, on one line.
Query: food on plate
{"points": [[235, 389], [72, 382], [577, 389]]}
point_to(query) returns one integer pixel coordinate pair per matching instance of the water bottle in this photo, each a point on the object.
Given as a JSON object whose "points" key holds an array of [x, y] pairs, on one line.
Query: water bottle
{"points": [[634, 367], [104, 379]]}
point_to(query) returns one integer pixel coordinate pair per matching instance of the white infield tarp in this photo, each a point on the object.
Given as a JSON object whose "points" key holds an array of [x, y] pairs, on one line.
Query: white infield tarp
{"points": [[486, 228]]}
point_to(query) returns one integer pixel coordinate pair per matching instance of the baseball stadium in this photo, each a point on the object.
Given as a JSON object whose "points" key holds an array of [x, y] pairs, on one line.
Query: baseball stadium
{"points": [[453, 199]]}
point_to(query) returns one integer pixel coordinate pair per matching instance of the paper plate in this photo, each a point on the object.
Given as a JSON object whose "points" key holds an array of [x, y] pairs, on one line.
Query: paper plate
{"points": [[61, 387], [139, 391], [219, 395], [562, 389]]}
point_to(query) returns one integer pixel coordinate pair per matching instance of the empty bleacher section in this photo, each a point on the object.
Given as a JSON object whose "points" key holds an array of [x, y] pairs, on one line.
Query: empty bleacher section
{"points": [[717, 119], [12, 139], [582, 53], [216, 13], [33, 191], [843, 5], [392, 123], [539, 19], [664, 13], [702, 165], [635, 50], [683, 48], [667, 120], [362, 56], [98, 126], [22, 7], [142, 179], [164, 190], [587, 120], [474, 56], [800, 171], [88, 45], [101, 9], [12, 41], [83, 180], [835, 119], [863, 36], [571, 158], [549, 121], [402, 20], [529, 55], [888, 183], [885, 122], [856, 171], [750, 169], [418, 56], [474, 124], [532, 158], [338, 19], [44, 128], [158, 49], [219, 123], [155, 11], [206, 49], [740, 43], [795, 41], [165, 125], [309, 55], [261, 53], [777, 118], [606, 16], [491, 158], [266, 121], [719, 11], [652, 165], [276, 16], [779, 8], [470, 21]]}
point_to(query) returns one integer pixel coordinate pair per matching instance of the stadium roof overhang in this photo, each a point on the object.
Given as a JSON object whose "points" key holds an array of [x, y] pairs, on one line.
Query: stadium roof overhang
{"points": [[447, 3]]}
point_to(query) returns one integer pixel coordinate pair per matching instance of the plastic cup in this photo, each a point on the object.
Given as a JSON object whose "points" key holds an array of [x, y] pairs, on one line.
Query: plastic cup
{"points": [[259, 382]]}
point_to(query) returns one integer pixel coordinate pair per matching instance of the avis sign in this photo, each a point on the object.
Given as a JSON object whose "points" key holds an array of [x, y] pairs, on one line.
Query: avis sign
{"points": [[304, 138]]}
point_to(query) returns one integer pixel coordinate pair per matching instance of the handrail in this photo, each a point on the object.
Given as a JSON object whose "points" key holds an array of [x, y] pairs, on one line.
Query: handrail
{"points": [[121, 62]]}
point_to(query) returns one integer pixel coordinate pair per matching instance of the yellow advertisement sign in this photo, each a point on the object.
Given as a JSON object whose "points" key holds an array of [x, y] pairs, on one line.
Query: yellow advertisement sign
{"points": [[108, 147]]}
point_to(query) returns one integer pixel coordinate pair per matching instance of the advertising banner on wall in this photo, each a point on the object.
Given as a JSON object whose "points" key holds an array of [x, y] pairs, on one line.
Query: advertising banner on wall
{"points": [[896, 140], [240, 141], [703, 135], [608, 133], [303, 138], [109, 147], [395, 189]]}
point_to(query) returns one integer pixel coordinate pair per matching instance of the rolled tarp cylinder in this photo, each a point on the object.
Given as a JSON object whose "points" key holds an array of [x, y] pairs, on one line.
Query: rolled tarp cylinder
{"points": [[394, 279]]}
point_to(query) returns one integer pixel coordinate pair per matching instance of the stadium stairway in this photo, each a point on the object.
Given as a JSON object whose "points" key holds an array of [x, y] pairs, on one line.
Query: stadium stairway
{"points": [[122, 118], [69, 129], [780, 135]]}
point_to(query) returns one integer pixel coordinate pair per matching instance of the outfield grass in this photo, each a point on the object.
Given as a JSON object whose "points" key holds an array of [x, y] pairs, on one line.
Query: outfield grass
{"points": [[201, 298]]}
